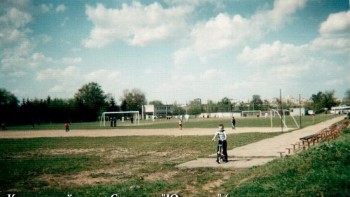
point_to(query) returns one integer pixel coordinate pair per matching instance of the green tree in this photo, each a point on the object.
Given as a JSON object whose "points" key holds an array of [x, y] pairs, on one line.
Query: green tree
{"points": [[266, 105], [178, 110], [7, 99], [90, 99], [194, 110], [195, 107], [317, 101], [224, 105], [8, 106], [111, 103], [329, 99], [322, 101], [156, 102], [346, 99], [210, 107], [133, 100], [256, 102]]}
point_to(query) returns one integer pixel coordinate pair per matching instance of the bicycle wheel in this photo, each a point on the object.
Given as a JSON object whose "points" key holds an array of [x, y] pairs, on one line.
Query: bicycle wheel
{"points": [[219, 154]]}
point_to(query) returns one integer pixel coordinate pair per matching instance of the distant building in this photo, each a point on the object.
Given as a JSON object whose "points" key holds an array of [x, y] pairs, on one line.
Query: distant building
{"points": [[157, 111], [297, 111], [197, 101], [343, 109]]}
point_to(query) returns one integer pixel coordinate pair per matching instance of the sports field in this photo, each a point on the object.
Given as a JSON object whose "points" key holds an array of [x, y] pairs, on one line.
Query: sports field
{"points": [[127, 165], [172, 123]]}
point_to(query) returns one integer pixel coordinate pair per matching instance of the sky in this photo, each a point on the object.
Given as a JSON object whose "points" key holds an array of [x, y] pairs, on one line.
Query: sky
{"points": [[175, 50]]}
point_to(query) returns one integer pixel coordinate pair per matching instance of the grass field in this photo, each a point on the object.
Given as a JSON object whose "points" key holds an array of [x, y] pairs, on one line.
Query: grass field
{"points": [[145, 166], [192, 123], [129, 166], [321, 171]]}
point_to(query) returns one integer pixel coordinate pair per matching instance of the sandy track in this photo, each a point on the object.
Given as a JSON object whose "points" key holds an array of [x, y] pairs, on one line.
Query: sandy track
{"points": [[128, 132], [261, 152]]}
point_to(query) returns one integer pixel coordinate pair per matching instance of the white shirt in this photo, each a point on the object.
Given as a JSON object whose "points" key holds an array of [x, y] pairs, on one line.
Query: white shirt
{"points": [[221, 135]]}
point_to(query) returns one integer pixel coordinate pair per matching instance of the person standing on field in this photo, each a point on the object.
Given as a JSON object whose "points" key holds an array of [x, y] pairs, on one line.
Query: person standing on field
{"points": [[221, 136], [233, 122], [180, 124], [66, 126]]}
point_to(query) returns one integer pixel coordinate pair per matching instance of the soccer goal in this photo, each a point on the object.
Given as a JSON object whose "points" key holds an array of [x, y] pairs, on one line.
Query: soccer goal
{"points": [[251, 113], [134, 113], [273, 112]]}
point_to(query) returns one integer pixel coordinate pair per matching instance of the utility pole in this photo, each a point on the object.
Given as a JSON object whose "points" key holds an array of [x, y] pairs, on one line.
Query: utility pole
{"points": [[300, 111], [281, 110]]}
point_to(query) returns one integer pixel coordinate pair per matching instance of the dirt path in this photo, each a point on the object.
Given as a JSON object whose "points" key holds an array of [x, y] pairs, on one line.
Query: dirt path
{"points": [[259, 153], [127, 132]]}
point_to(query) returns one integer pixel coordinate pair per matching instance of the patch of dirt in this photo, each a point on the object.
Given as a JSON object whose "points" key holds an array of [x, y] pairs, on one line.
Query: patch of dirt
{"points": [[127, 132], [210, 186], [160, 176], [108, 153], [99, 176]]}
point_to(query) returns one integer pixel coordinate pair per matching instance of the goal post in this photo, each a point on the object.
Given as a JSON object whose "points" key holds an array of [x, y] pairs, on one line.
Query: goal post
{"points": [[103, 116], [251, 112], [284, 118]]}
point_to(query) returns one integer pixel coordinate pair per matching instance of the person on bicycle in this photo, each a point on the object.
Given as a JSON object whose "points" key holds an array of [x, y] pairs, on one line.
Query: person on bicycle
{"points": [[222, 140]]}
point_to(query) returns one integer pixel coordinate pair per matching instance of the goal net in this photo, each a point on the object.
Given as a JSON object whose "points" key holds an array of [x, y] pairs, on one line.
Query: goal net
{"points": [[283, 120], [251, 113], [134, 114]]}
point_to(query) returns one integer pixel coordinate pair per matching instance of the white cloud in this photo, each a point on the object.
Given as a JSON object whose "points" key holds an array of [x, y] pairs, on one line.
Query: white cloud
{"points": [[279, 60], [61, 8], [225, 31], [15, 18], [211, 74], [219, 4], [280, 14], [16, 57], [135, 24], [45, 8], [38, 59], [274, 54], [17, 47], [182, 55], [337, 23], [292, 67], [221, 33], [60, 75], [104, 75], [44, 38], [331, 45], [334, 35], [72, 61], [67, 80], [64, 81]]}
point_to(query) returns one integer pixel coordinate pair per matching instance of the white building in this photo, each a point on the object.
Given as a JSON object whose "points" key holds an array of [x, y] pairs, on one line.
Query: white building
{"points": [[340, 109], [297, 111], [157, 111]]}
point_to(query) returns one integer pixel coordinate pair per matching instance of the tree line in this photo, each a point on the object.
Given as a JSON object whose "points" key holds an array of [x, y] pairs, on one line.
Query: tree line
{"points": [[90, 101], [86, 105]]}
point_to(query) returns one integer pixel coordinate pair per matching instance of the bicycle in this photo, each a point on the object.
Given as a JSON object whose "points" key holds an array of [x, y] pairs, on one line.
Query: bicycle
{"points": [[219, 154]]}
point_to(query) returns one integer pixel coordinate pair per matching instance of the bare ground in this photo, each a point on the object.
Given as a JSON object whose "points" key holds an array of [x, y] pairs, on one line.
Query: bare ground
{"points": [[128, 132]]}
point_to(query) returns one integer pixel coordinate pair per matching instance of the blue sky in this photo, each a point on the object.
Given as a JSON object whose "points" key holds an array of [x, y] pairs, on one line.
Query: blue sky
{"points": [[175, 50]]}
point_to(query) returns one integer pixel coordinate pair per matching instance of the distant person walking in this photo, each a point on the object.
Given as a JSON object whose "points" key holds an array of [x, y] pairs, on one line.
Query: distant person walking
{"points": [[233, 122], [3, 126], [180, 124], [66, 126]]}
